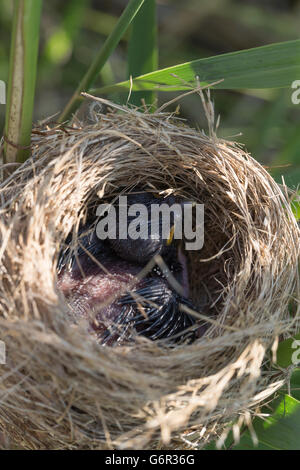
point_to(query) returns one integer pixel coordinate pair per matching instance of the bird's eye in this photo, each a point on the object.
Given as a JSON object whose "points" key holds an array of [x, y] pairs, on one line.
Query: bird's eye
{"points": [[171, 236]]}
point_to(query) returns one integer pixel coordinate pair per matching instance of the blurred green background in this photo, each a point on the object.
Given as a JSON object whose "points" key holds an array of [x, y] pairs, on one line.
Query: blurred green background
{"points": [[72, 32]]}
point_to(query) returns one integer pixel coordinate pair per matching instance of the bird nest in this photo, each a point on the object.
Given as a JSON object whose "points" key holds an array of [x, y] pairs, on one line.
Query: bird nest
{"points": [[59, 387]]}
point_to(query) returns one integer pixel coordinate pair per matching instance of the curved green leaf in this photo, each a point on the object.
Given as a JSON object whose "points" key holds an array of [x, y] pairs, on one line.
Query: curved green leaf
{"points": [[280, 431], [288, 352], [271, 66]]}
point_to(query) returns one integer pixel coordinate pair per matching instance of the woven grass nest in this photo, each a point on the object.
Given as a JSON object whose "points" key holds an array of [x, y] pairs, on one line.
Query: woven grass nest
{"points": [[59, 388]]}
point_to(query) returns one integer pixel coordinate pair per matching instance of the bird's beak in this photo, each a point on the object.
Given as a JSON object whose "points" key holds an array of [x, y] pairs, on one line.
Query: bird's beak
{"points": [[171, 236]]}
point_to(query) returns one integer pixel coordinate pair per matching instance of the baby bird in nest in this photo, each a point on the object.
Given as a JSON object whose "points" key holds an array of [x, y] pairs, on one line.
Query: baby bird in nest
{"points": [[103, 281]]}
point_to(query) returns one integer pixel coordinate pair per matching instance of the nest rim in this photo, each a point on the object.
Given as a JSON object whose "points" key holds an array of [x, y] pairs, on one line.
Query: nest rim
{"points": [[171, 391]]}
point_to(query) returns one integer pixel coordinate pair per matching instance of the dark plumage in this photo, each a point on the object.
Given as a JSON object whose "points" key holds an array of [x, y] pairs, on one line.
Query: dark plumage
{"points": [[100, 282], [159, 315], [140, 250]]}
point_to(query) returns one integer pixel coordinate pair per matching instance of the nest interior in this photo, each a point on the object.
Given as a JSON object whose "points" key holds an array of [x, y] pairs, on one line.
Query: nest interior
{"points": [[59, 388]]}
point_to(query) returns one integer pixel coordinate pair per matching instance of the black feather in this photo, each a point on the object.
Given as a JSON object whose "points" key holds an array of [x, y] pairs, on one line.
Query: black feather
{"points": [[165, 320]]}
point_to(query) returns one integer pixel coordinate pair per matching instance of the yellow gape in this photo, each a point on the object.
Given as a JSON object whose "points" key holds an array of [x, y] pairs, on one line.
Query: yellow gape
{"points": [[170, 239]]}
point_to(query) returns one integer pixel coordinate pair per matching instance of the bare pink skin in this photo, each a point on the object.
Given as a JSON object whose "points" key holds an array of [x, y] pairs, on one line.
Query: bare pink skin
{"points": [[94, 293], [94, 296]]}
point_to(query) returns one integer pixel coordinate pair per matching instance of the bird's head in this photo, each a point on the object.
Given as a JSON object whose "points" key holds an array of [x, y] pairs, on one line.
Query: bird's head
{"points": [[145, 215]]}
